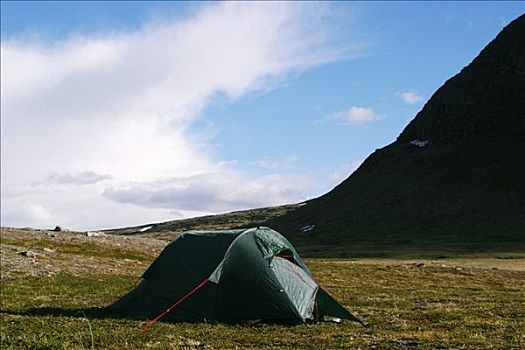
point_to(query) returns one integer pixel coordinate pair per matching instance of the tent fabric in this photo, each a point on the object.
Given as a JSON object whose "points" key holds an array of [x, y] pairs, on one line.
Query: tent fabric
{"points": [[297, 284], [253, 274]]}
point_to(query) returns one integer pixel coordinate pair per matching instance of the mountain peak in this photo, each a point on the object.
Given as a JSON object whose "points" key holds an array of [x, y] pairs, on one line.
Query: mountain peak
{"points": [[455, 175], [485, 100]]}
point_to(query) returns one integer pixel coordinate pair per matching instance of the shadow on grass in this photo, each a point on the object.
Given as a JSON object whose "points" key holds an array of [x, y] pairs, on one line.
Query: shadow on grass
{"points": [[107, 313], [92, 312]]}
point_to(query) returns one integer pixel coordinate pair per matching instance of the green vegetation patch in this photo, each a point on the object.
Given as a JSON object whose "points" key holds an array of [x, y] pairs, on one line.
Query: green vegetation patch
{"points": [[404, 306]]}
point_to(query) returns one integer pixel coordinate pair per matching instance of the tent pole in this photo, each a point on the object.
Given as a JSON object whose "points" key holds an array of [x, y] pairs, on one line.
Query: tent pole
{"points": [[158, 317]]}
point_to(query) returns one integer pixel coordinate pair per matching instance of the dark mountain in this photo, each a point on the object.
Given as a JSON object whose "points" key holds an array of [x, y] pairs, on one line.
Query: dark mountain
{"points": [[454, 180]]}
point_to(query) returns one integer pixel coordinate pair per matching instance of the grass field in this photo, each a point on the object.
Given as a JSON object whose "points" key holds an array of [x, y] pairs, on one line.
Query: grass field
{"points": [[471, 303]]}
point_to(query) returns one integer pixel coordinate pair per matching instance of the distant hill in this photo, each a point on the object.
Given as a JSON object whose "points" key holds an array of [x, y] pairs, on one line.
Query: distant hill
{"points": [[236, 219], [454, 180]]}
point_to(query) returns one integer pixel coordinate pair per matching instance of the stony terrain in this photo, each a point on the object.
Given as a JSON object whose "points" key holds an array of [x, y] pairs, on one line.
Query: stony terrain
{"points": [[30, 252]]}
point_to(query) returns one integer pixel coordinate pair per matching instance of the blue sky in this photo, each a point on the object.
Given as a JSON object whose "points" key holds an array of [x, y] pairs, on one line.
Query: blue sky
{"points": [[163, 110]]}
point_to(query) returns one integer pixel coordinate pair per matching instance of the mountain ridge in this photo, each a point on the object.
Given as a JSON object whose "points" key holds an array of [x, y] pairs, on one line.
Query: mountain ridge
{"points": [[456, 172]]}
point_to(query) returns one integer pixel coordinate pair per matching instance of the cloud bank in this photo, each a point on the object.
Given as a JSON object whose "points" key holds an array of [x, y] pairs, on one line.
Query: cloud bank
{"points": [[96, 130], [213, 192]]}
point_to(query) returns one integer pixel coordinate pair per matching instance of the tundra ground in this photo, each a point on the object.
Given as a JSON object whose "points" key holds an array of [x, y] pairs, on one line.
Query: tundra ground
{"points": [[54, 287]]}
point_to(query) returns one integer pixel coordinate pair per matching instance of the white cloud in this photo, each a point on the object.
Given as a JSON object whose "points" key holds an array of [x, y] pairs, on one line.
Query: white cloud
{"points": [[213, 192], [29, 213], [82, 178], [410, 97], [354, 115], [35, 211], [121, 105], [78, 207], [282, 161]]}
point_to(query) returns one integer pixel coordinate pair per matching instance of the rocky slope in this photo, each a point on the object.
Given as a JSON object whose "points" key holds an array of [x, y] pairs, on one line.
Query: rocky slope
{"points": [[30, 252]]}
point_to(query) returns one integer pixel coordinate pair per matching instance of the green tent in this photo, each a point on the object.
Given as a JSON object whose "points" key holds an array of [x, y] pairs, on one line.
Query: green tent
{"points": [[230, 276]]}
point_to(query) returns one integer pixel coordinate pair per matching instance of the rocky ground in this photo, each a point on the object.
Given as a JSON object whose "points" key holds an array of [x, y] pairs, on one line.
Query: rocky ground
{"points": [[31, 252]]}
